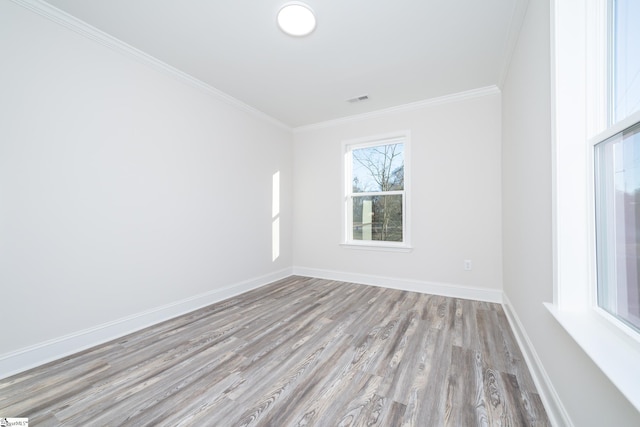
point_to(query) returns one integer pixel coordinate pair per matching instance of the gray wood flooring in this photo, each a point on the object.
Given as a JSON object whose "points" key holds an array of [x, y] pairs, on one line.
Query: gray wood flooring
{"points": [[298, 352]]}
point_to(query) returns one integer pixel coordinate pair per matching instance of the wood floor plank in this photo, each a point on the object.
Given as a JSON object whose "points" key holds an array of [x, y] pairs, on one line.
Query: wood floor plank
{"points": [[298, 352], [459, 410], [310, 400]]}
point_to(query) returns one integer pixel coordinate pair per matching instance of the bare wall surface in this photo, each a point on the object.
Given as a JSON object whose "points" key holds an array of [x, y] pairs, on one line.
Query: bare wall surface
{"points": [[588, 397], [122, 188], [455, 195]]}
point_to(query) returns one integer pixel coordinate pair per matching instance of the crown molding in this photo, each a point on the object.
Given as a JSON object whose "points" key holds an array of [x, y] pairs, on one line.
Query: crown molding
{"points": [[455, 97], [70, 22]]}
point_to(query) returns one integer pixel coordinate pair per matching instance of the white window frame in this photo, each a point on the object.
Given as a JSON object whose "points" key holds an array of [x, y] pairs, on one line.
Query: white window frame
{"points": [[578, 65], [611, 131], [347, 146]]}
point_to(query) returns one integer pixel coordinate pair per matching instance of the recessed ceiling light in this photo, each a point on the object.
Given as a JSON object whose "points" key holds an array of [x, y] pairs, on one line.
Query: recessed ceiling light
{"points": [[296, 19]]}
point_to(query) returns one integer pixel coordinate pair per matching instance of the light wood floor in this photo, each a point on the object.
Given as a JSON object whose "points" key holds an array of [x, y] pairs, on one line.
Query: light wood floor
{"points": [[298, 352]]}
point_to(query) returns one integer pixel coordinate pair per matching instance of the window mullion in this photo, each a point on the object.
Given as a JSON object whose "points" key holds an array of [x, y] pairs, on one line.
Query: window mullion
{"points": [[378, 193]]}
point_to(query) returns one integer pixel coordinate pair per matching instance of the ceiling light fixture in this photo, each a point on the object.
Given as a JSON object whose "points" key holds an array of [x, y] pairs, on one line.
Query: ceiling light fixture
{"points": [[296, 19]]}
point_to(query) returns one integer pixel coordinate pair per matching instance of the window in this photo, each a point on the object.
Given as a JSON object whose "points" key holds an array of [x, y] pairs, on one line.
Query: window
{"points": [[617, 201], [584, 64], [624, 63], [376, 193], [617, 170]]}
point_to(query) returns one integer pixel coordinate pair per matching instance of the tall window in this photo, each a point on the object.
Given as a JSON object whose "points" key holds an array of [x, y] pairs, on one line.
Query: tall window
{"points": [[375, 193], [617, 171]]}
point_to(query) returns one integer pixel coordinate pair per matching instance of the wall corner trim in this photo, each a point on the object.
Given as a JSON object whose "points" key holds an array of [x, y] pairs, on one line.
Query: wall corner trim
{"points": [[552, 403], [30, 357], [60, 17]]}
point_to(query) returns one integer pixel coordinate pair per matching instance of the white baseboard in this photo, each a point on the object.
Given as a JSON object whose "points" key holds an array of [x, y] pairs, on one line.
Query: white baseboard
{"points": [[41, 353], [555, 410], [444, 289]]}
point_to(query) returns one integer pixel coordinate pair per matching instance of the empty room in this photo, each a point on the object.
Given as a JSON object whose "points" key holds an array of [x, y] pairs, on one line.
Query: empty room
{"points": [[320, 213]]}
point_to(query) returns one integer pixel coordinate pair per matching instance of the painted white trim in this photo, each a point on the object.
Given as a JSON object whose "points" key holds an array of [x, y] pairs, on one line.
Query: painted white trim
{"points": [[570, 167], [347, 146], [574, 51], [41, 353], [553, 405], [68, 21], [610, 347], [444, 289], [455, 97]]}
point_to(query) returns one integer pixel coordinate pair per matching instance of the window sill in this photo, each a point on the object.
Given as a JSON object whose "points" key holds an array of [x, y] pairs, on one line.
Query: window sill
{"points": [[610, 348], [383, 248]]}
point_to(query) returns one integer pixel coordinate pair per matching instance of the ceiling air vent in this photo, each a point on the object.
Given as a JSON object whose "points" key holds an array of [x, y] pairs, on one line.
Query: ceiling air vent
{"points": [[358, 99]]}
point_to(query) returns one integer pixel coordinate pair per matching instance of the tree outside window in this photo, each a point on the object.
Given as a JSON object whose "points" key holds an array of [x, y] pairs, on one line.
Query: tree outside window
{"points": [[376, 201]]}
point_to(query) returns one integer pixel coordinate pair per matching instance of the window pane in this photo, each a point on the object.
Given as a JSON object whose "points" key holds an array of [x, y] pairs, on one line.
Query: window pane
{"points": [[626, 58], [618, 225], [379, 168], [377, 218]]}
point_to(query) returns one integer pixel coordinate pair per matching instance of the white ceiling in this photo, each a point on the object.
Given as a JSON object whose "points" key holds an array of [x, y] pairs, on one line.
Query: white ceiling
{"points": [[397, 52]]}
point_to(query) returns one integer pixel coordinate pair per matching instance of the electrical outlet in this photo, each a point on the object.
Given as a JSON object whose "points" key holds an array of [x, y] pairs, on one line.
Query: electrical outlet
{"points": [[467, 265]]}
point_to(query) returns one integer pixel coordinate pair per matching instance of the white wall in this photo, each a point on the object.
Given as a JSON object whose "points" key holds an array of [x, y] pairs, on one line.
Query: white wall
{"points": [[122, 188], [455, 154], [587, 396]]}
